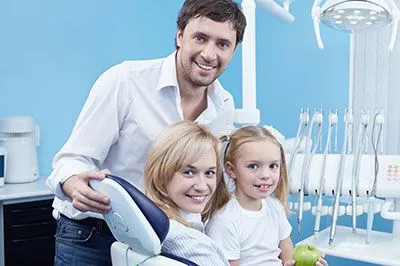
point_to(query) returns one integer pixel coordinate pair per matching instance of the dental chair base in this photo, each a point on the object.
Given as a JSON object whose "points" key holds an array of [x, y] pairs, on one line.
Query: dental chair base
{"points": [[123, 255]]}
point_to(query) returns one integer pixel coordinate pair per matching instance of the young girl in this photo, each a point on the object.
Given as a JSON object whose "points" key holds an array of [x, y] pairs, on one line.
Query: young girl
{"points": [[183, 177], [252, 229]]}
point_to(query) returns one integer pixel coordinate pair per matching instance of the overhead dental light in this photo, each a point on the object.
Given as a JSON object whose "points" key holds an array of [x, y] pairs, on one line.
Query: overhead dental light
{"points": [[355, 16], [249, 114]]}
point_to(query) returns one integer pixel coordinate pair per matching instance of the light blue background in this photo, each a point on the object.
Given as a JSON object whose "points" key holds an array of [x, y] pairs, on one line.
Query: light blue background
{"points": [[52, 51]]}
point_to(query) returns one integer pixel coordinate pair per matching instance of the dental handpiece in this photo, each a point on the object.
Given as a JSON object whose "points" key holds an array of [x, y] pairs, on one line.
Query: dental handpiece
{"points": [[332, 122], [379, 119], [362, 136], [339, 181], [304, 172], [370, 219]]}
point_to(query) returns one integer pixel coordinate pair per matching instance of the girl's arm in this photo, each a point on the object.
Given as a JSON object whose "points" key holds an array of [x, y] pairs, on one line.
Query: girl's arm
{"points": [[234, 263], [286, 246]]}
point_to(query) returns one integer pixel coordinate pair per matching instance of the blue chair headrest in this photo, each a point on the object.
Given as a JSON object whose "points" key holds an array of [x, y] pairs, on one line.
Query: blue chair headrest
{"points": [[155, 216]]}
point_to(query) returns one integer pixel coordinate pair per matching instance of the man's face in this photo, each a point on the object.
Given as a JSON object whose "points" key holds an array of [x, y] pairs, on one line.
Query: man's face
{"points": [[205, 49]]}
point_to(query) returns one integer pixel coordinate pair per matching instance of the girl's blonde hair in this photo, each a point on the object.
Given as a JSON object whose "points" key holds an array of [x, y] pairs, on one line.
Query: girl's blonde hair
{"points": [[252, 134], [179, 145]]}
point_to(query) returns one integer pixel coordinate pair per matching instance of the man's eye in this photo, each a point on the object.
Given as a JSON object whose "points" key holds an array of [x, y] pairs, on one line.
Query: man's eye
{"points": [[199, 38], [252, 166], [224, 45]]}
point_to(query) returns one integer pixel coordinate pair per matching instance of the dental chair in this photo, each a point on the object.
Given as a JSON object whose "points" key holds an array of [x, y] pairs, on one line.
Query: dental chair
{"points": [[138, 225]]}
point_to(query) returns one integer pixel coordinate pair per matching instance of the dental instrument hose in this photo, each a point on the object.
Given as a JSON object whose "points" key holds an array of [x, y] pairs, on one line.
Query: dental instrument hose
{"points": [[304, 119], [339, 182], [318, 119], [371, 208], [361, 140], [332, 121], [303, 176]]}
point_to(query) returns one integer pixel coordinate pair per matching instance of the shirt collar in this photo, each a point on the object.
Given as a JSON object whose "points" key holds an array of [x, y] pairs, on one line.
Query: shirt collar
{"points": [[218, 94], [168, 73], [168, 78]]}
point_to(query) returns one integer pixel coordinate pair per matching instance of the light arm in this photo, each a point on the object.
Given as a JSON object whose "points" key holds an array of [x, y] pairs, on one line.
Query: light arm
{"points": [[276, 10]]}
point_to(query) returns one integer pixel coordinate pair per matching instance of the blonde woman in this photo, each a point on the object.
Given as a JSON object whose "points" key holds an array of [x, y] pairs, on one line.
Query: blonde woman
{"points": [[183, 177]]}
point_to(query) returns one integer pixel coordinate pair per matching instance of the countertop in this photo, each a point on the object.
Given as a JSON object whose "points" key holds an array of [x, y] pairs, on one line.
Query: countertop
{"points": [[37, 188]]}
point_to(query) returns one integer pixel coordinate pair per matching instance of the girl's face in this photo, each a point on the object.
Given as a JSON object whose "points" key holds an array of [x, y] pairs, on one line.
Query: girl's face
{"points": [[192, 187], [256, 171]]}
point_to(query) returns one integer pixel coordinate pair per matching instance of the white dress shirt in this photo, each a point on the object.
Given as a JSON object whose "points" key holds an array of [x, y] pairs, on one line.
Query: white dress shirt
{"points": [[127, 108]]}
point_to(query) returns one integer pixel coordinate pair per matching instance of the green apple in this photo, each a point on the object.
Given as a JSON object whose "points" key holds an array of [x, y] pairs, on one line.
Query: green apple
{"points": [[306, 255]]}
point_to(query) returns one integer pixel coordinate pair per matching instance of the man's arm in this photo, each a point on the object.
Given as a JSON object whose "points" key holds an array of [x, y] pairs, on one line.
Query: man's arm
{"points": [[95, 131]]}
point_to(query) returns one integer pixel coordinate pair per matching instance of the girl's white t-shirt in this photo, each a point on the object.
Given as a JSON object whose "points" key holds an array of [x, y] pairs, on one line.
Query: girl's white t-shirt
{"points": [[252, 237]]}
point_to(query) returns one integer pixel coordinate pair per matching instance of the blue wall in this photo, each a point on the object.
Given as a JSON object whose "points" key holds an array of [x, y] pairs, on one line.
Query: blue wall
{"points": [[52, 51]]}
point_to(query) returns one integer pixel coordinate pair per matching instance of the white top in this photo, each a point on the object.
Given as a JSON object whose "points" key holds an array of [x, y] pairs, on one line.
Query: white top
{"points": [[127, 108], [193, 244], [252, 237]]}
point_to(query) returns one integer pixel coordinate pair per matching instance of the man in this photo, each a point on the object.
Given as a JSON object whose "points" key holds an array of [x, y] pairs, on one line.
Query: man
{"points": [[127, 108]]}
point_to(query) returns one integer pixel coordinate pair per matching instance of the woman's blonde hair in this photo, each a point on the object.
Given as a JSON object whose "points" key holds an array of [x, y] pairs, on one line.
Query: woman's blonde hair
{"points": [[178, 146], [252, 134]]}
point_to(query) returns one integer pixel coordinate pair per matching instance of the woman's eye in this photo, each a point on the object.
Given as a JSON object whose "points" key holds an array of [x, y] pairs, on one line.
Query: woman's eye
{"points": [[210, 173], [188, 172], [252, 166]]}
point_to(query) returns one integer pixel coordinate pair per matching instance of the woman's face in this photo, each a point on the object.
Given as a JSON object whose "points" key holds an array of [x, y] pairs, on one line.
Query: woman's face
{"points": [[192, 187]]}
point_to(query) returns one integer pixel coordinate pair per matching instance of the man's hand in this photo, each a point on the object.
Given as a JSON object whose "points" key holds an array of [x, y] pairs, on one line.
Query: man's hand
{"points": [[83, 197]]}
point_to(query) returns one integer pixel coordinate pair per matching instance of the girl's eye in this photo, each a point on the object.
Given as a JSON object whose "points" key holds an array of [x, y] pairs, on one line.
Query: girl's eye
{"points": [[274, 166], [252, 166]]}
